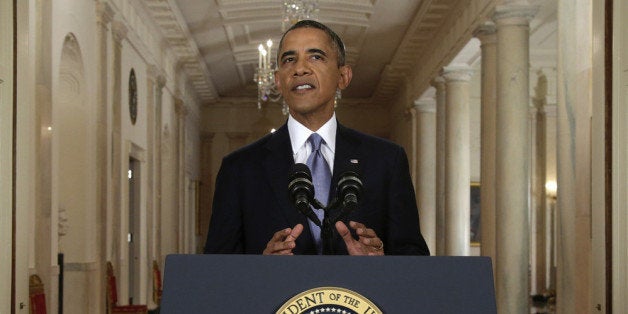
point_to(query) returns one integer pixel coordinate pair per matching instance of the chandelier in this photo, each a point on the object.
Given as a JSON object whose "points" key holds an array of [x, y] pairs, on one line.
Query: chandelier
{"points": [[265, 76], [296, 10], [293, 11]]}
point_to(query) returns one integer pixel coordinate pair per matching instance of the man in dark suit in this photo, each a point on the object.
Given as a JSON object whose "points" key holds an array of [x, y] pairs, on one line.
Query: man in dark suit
{"points": [[252, 211]]}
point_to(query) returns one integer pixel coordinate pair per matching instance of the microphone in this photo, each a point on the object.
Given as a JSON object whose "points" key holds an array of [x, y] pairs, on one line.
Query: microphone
{"points": [[301, 191], [348, 191]]}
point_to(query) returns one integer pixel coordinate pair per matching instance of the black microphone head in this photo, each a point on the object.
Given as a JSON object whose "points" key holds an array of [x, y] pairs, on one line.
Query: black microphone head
{"points": [[301, 191], [350, 182], [301, 170], [300, 183]]}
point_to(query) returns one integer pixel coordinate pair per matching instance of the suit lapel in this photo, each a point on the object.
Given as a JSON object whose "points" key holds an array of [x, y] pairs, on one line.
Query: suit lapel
{"points": [[347, 149], [278, 165]]}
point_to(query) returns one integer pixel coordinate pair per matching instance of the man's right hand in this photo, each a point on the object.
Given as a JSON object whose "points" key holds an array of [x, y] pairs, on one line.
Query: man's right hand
{"points": [[283, 241]]}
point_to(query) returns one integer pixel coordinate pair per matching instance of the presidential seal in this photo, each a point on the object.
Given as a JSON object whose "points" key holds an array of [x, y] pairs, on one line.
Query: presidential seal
{"points": [[329, 300]]}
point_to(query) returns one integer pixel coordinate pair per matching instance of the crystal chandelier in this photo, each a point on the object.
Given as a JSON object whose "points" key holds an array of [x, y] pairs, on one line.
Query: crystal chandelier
{"points": [[265, 76], [293, 11], [296, 10]]}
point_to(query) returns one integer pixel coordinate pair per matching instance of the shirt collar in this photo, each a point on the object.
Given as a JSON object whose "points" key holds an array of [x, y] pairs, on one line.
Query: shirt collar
{"points": [[300, 133]]}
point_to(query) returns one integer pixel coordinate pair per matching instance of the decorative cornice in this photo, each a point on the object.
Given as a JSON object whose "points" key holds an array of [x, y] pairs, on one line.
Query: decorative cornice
{"points": [[421, 57], [177, 37]]}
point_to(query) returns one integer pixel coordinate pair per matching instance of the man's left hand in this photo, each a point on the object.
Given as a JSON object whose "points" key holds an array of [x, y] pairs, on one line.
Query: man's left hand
{"points": [[368, 243]]}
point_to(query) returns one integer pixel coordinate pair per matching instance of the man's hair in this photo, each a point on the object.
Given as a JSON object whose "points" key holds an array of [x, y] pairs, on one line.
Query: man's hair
{"points": [[335, 39]]}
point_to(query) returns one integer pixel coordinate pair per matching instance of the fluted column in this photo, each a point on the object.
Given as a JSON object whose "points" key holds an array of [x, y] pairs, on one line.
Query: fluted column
{"points": [[119, 35], [157, 223], [441, 99], [512, 159], [151, 77], [206, 186], [486, 35], [426, 168], [414, 146], [181, 112], [104, 16], [154, 84], [457, 161]]}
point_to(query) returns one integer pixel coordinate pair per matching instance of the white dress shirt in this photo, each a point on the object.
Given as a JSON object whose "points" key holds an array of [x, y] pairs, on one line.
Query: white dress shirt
{"points": [[301, 148]]}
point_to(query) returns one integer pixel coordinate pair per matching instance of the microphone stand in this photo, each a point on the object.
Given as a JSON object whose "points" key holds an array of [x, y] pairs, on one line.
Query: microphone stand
{"points": [[327, 235], [327, 231], [336, 211]]}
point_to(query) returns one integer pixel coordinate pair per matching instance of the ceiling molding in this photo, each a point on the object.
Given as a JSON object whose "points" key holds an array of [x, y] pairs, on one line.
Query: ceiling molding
{"points": [[177, 36]]}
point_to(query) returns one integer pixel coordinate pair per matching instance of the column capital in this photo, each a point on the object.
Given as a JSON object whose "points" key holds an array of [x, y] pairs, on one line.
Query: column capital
{"points": [[438, 82], [161, 82], [119, 31], [157, 74], [237, 135], [104, 13], [517, 13], [179, 107], [425, 105], [457, 73], [207, 136], [486, 33]]}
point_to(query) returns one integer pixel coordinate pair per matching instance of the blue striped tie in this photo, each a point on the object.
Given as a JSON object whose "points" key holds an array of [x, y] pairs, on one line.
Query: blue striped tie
{"points": [[321, 177]]}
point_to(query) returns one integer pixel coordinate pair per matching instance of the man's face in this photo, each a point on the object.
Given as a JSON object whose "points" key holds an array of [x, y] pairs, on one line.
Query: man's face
{"points": [[308, 74]]}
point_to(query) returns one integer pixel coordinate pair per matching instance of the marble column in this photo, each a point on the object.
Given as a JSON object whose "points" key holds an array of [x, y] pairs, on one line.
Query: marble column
{"points": [[154, 84], [487, 36], [181, 112], [46, 214], [540, 262], [426, 168], [574, 115], [118, 246], [151, 77], [104, 16], [157, 149], [441, 99], [206, 186], [512, 158], [413, 147], [457, 160]]}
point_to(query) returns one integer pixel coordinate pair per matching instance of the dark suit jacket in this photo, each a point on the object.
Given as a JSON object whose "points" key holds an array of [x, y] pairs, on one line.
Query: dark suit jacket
{"points": [[251, 200]]}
